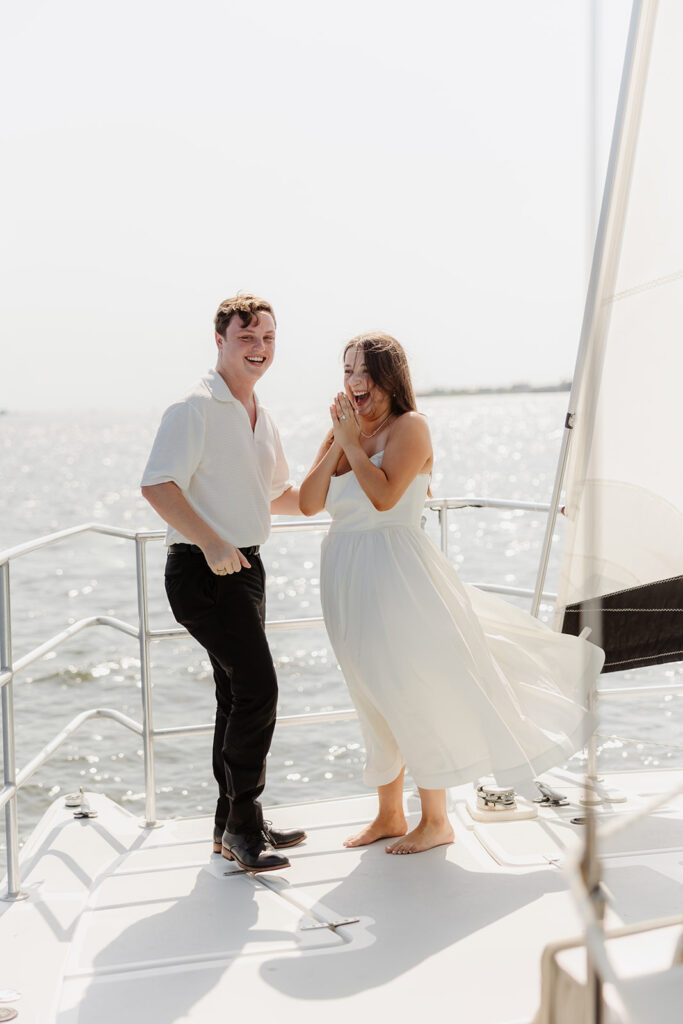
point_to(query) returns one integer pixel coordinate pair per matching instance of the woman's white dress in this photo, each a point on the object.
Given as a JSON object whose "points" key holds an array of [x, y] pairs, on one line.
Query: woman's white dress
{"points": [[449, 680]]}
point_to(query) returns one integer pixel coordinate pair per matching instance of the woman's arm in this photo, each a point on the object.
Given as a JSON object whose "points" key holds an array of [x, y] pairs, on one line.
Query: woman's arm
{"points": [[313, 490], [408, 452]]}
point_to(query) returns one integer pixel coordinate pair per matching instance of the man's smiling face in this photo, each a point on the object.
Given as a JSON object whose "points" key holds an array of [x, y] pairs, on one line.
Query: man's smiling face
{"points": [[246, 352]]}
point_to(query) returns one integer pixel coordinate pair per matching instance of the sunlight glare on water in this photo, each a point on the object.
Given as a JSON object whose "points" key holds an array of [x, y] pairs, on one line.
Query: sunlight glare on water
{"points": [[63, 471]]}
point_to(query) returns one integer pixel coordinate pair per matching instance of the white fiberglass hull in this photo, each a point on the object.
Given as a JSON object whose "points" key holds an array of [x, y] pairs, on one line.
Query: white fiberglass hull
{"points": [[149, 926]]}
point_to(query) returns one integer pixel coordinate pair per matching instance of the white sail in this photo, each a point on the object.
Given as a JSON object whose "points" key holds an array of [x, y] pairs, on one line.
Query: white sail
{"points": [[626, 457]]}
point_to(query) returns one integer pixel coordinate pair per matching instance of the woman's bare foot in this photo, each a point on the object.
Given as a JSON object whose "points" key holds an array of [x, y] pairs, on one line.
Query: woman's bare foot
{"points": [[426, 836], [380, 828]]}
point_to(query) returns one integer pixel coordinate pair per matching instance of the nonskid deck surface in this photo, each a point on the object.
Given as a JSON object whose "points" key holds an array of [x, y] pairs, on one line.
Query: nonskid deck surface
{"points": [[150, 926]]}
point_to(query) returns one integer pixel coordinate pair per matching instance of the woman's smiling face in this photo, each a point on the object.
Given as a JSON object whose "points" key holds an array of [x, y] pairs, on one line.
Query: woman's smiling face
{"points": [[369, 400]]}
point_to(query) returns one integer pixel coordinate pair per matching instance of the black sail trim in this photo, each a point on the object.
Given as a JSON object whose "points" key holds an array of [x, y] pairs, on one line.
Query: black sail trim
{"points": [[639, 626]]}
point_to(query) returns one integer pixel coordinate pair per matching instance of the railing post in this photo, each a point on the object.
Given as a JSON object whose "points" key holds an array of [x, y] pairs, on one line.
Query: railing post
{"points": [[552, 515], [443, 522], [9, 767], [146, 684]]}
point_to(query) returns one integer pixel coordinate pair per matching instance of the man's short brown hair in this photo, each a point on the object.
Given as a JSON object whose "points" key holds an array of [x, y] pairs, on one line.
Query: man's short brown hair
{"points": [[246, 306]]}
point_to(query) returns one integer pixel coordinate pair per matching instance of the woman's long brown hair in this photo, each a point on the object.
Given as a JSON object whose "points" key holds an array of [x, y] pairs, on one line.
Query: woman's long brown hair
{"points": [[387, 367]]}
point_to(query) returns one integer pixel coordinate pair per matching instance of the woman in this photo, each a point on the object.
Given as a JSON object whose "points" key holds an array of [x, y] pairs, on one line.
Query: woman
{"points": [[449, 680]]}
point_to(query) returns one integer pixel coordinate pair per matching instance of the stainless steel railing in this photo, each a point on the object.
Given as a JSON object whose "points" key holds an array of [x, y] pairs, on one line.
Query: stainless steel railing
{"points": [[13, 780]]}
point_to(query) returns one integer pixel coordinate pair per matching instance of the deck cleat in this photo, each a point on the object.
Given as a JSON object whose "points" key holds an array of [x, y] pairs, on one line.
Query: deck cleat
{"points": [[84, 808], [549, 797]]}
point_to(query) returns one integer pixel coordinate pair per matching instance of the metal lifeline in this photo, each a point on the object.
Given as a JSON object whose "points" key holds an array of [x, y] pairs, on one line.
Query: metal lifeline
{"points": [[14, 780]]}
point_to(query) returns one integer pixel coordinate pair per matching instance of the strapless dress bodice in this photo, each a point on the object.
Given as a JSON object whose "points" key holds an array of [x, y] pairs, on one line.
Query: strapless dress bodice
{"points": [[352, 510]]}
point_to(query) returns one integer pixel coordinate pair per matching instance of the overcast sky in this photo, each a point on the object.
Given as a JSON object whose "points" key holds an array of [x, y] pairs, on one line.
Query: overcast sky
{"points": [[419, 168]]}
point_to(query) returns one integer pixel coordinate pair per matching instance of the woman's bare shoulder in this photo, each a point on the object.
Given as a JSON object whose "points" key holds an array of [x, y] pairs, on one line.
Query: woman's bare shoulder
{"points": [[412, 422], [410, 432]]}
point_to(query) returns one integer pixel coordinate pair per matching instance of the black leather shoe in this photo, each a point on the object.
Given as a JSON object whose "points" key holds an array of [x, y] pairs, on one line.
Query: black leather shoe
{"points": [[251, 852], [280, 838]]}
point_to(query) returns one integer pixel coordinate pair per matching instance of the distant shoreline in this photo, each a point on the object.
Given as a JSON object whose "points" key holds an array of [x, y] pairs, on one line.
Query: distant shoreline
{"points": [[507, 389], [510, 389]]}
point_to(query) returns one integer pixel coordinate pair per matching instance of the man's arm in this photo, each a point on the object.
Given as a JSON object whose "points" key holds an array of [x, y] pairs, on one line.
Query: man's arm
{"points": [[287, 504], [169, 501]]}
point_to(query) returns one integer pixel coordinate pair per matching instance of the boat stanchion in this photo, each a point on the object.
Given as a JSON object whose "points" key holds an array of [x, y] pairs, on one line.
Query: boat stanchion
{"points": [[145, 684], [596, 793], [9, 767]]}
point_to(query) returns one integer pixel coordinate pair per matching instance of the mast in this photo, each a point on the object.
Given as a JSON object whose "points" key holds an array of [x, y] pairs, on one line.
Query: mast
{"points": [[586, 387]]}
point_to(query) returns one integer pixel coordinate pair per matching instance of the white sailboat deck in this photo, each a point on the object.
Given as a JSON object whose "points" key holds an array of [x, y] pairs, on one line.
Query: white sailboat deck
{"points": [[147, 925]]}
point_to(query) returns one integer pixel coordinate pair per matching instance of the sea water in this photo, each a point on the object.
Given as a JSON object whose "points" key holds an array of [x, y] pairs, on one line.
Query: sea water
{"points": [[62, 470]]}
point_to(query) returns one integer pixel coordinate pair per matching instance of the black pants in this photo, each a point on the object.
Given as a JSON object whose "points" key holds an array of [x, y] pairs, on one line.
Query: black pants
{"points": [[226, 615]]}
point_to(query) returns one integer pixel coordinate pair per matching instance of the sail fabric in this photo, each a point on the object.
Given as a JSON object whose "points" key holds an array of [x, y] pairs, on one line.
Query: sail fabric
{"points": [[624, 488]]}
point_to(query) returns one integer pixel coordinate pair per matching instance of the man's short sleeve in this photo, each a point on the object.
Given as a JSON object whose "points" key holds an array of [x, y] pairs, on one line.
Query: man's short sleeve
{"points": [[177, 448], [281, 481]]}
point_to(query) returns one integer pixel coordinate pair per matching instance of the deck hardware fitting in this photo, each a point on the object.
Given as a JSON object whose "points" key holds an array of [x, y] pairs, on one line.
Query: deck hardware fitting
{"points": [[330, 924], [495, 798], [549, 797], [85, 810]]}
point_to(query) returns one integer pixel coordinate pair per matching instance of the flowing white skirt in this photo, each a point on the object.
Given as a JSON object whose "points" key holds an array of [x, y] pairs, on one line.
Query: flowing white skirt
{"points": [[449, 680]]}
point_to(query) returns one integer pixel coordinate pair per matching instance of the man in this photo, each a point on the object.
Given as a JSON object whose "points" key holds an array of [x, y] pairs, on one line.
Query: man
{"points": [[215, 474]]}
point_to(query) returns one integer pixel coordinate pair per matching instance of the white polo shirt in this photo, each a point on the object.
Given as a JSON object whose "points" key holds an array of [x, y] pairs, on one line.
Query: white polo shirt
{"points": [[228, 473]]}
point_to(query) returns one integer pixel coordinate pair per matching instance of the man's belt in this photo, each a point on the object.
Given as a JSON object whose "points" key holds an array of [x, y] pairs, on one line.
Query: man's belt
{"points": [[194, 549]]}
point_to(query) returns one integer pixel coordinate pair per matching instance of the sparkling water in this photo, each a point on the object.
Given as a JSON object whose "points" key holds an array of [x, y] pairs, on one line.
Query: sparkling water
{"points": [[60, 471]]}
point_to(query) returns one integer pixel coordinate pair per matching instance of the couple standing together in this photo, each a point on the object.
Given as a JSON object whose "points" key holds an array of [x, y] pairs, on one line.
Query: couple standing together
{"points": [[449, 681]]}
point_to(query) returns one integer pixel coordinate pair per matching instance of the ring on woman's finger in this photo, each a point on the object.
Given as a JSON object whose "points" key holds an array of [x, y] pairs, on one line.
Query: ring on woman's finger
{"points": [[343, 416]]}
